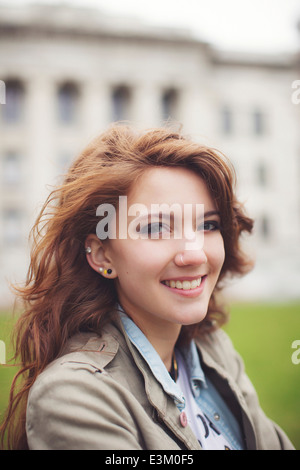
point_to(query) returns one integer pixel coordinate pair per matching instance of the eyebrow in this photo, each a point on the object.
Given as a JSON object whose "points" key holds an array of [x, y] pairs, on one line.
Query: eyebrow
{"points": [[209, 213], [170, 216]]}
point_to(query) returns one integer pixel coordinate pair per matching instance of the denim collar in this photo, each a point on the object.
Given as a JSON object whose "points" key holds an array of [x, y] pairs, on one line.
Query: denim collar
{"points": [[157, 366]]}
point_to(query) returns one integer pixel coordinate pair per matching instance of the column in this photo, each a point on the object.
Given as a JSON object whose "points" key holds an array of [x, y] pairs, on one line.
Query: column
{"points": [[41, 137]]}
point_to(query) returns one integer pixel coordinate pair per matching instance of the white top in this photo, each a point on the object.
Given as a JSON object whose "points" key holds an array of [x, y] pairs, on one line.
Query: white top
{"points": [[205, 431]]}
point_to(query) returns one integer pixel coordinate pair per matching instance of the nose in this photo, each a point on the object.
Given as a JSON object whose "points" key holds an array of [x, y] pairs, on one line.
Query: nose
{"points": [[191, 252], [191, 257]]}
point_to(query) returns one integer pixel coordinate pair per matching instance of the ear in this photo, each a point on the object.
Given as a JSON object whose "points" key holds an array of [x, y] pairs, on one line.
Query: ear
{"points": [[97, 257]]}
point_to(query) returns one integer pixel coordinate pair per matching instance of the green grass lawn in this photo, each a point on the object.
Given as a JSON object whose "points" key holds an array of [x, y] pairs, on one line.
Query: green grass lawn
{"points": [[7, 372], [263, 335]]}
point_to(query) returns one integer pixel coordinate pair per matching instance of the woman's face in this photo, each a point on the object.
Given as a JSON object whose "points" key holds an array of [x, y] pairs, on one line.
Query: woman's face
{"points": [[165, 281]]}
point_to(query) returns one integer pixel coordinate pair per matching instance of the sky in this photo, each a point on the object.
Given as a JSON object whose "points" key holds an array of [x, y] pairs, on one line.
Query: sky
{"points": [[250, 25]]}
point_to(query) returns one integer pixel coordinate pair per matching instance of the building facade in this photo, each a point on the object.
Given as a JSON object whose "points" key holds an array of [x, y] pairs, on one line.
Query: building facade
{"points": [[67, 73]]}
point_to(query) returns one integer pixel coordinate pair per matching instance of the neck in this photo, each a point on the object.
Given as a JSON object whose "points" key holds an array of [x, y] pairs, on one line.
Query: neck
{"points": [[161, 333], [162, 336]]}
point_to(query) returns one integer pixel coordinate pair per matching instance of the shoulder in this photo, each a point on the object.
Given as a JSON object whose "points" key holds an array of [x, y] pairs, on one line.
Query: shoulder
{"points": [[69, 396], [217, 343], [86, 353], [84, 359]]}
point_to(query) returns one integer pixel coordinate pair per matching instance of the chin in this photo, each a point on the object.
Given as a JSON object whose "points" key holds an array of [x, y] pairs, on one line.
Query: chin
{"points": [[191, 318]]}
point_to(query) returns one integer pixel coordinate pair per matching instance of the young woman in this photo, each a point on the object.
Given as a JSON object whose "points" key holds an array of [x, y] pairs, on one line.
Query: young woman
{"points": [[120, 341]]}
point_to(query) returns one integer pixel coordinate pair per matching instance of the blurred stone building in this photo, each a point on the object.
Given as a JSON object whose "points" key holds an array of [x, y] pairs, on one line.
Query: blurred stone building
{"points": [[69, 72]]}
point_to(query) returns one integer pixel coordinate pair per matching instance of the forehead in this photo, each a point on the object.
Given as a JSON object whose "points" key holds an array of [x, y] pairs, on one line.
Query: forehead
{"points": [[170, 185]]}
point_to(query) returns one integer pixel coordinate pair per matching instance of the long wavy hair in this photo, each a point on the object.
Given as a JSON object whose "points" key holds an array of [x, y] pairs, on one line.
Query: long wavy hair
{"points": [[63, 294]]}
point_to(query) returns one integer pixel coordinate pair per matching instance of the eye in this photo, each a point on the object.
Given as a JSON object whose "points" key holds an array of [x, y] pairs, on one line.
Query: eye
{"points": [[210, 226], [154, 228]]}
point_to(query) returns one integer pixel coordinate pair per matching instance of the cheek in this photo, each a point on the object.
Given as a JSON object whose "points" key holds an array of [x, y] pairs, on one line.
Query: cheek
{"points": [[216, 252], [138, 269], [138, 259]]}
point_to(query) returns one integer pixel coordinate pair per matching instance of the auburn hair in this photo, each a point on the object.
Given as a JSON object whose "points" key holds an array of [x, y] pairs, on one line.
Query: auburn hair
{"points": [[63, 294]]}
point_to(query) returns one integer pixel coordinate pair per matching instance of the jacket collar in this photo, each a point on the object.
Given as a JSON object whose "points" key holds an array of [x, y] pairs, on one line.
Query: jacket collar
{"points": [[99, 351], [143, 345], [156, 388], [145, 348]]}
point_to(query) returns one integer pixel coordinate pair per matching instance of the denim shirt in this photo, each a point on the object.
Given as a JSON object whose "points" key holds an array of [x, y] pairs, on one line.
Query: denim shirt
{"points": [[205, 394]]}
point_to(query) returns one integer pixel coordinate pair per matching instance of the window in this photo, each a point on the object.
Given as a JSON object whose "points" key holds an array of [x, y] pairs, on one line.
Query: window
{"points": [[258, 123], [63, 162], [12, 226], [262, 175], [169, 104], [121, 98], [11, 169], [12, 110], [226, 120], [68, 98], [265, 228]]}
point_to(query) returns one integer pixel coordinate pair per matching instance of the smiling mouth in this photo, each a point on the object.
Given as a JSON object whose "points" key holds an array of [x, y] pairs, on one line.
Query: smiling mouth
{"points": [[184, 284]]}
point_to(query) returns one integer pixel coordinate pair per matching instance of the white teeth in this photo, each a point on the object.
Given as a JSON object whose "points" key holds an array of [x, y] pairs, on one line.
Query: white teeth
{"points": [[185, 285]]}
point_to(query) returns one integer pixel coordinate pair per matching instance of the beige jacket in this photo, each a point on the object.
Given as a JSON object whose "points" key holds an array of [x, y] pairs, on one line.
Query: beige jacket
{"points": [[101, 394]]}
